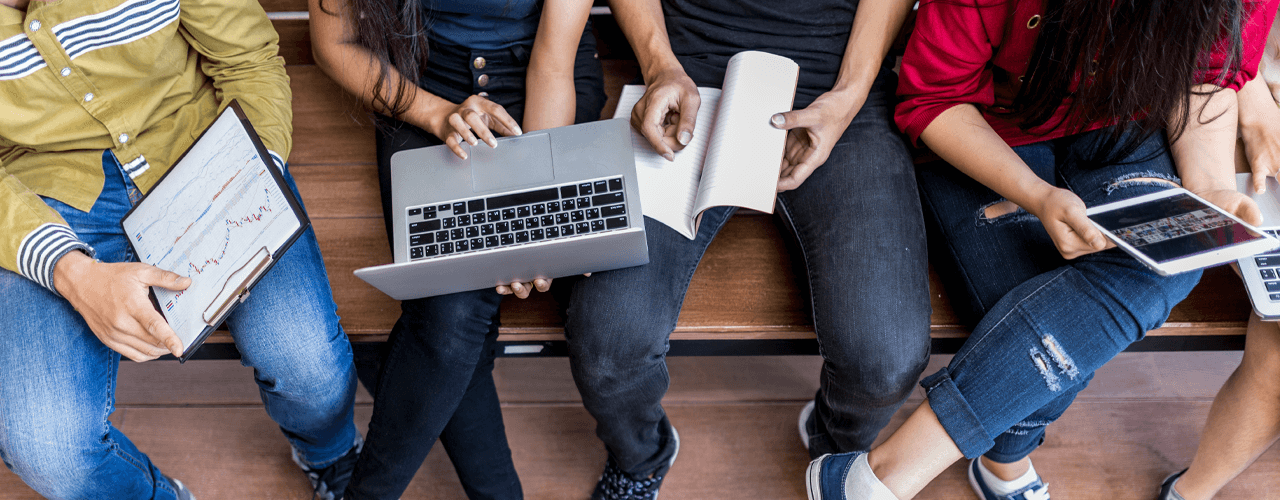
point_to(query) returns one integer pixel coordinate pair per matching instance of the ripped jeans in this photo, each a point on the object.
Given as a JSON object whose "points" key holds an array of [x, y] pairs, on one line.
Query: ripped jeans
{"points": [[1043, 323]]}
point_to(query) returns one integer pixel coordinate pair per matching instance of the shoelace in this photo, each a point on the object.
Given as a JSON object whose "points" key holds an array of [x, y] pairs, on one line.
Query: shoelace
{"points": [[617, 486]]}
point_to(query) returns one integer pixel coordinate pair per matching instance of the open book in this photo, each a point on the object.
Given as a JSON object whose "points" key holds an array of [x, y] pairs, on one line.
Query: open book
{"points": [[735, 155]]}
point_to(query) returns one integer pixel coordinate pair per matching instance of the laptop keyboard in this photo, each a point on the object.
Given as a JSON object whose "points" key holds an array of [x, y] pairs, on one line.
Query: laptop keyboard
{"points": [[1269, 267], [518, 218]]}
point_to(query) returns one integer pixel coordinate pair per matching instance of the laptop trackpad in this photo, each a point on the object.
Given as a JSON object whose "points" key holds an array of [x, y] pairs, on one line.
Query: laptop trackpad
{"points": [[517, 161]]}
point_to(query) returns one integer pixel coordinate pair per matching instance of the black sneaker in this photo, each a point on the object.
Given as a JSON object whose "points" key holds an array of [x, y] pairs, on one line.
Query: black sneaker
{"points": [[329, 483], [615, 484], [1167, 492]]}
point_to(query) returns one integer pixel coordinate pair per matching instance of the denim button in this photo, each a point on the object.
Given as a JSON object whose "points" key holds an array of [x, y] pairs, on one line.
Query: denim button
{"points": [[35, 25], [65, 72], [479, 63], [483, 94], [483, 80]]}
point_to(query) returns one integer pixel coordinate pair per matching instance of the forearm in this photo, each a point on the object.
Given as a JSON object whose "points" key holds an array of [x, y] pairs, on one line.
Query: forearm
{"points": [[551, 99], [875, 26], [644, 25], [1257, 110], [1205, 153], [962, 137]]}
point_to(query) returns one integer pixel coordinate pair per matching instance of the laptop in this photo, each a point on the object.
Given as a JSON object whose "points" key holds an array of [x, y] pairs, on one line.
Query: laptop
{"points": [[546, 204], [1261, 273]]}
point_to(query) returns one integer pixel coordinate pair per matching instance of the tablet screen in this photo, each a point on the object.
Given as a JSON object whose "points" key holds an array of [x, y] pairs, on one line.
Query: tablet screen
{"points": [[1175, 227]]}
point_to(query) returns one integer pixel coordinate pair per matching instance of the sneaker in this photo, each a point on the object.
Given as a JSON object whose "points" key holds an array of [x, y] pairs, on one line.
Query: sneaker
{"points": [[806, 422], [826, 475], [1166, 488], [329, 483], [615, 484], [1035, 491], [180, 489]]}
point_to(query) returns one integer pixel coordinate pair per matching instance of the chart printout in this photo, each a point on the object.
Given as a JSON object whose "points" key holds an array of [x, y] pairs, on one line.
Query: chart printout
{"points": [[216, 209]]}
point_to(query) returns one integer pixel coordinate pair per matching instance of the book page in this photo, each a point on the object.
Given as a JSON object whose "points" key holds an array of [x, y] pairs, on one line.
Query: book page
{"points": [[214, 210], [668, 189], [743, 162]]}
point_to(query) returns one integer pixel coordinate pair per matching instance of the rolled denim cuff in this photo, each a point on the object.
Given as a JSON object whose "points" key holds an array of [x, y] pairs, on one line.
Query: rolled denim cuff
{"points": [[1008, 457], [957, 418]]}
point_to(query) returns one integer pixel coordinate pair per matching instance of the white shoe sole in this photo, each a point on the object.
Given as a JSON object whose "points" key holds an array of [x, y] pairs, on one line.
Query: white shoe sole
{"points": [[973, 481], [812, 477], [805, 413]]}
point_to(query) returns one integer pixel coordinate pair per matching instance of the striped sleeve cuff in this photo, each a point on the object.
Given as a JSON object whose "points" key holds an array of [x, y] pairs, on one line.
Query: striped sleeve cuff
{"points": [[279, 161], [41, 249]]}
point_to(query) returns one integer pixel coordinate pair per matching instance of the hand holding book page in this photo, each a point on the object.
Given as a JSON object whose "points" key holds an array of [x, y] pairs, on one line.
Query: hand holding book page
{"points": [[735, 154]]}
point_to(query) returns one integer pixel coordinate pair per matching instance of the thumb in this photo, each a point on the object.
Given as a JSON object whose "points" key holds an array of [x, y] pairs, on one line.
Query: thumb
{"points": [[1080, 223], [791, 119], [155, 276]]}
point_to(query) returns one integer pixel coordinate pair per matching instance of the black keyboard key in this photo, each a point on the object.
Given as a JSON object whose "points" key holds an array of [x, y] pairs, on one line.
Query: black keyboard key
{"points": [[615, 222], [432, 250], [597, 225], [478, 218], [548, 220], [487, 229], [422, 227], [1267, 261], [531, 222], [562, 218], [450, 222], [473, 231], [463, 245], [477, 243], [593, 213], [553, 232], [490, 241], [584, 189], [442, 236], [429, 212], [1273, 286], [475, 206], [577, 216], [568, 204], [566, 229], [508, 239], [464, 220], [455, 234], [539, 209], [446, 248], [415, 253], [615, 184], [522, 237], [504, 226], [614, 210], [517, 225], [494, 216], [444, 207], [460, 208], [584, 202], [511, 200], [606, 199], [413, 212], [553, 207], [582, 228], [568, 191], [535, 235], [1268, 274], [508, 213], [422, 239], [522, 212], [1275, 297], [601, 186], [429, 215]]}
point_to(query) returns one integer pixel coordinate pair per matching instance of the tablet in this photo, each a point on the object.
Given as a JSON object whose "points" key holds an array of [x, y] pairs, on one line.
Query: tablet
{"points": [[1174, 231]]}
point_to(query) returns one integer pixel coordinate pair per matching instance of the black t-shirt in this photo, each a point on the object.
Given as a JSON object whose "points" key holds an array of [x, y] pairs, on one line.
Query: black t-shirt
{"points": [[704, 34]]}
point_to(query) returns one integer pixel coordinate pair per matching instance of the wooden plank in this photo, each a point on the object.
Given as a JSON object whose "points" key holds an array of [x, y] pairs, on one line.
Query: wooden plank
{"points": [[329, 127], [295, 40], [286, 5]]}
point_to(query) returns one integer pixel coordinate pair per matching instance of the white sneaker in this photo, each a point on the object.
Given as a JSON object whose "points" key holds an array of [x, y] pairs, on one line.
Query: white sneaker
{"points": [[806, 413]]}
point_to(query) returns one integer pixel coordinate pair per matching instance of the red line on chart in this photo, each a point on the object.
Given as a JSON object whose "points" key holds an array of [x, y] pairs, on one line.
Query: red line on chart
{"points": [[226, 242]]}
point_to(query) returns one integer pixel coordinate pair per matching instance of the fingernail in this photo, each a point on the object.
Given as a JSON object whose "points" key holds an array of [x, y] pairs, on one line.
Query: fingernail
{"points": [[778, 120], [685, 137], [493, 143], [464, 155], [669, 157], [519, 131]]}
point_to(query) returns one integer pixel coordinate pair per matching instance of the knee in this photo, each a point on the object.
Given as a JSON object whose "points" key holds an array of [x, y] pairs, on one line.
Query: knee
{"points": [[609, 351], [879, 373], [321, 375], [55, 461]]}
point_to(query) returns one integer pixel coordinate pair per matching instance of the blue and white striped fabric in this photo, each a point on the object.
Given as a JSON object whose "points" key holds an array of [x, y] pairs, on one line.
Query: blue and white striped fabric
{"points": [[18, 58], [127, 22], [42, 248]]}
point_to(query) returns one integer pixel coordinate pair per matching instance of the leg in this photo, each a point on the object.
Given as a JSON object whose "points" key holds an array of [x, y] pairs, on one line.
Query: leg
{"points": [[476, 439], [618, 324], [861, 237], [1244, 420]]}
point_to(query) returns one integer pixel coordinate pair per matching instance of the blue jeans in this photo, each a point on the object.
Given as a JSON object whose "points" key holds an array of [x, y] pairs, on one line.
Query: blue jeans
{"points": [[1043, 323], [860, 238], [57, 380], [436, 377]]}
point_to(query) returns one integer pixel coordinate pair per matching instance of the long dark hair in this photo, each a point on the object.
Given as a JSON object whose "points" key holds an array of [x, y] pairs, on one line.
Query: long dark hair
{"points": [[395, 32], [1131, 61]]}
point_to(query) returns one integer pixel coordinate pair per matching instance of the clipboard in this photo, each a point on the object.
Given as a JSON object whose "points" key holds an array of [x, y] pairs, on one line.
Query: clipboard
{"points": [[243, 270]]}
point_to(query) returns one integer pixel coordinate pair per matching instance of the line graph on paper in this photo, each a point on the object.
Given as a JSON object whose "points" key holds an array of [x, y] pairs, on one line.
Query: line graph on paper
{"points": [[213, 211]]}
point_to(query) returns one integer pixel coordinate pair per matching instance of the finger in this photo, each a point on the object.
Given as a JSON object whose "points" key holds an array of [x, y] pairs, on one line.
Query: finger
{"points": [[1248, 211], [154, 276], [520, 289], [131, 353], [130, 340], [462, 128], [689, 104], [481, 128], [542, 285], [503, 290], [502, 120], [153, 329], [1081, 225], [455, 144], [648, 121]]}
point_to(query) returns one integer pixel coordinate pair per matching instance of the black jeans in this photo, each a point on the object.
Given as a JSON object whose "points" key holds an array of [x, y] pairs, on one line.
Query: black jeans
{"points": [[436, 377]]}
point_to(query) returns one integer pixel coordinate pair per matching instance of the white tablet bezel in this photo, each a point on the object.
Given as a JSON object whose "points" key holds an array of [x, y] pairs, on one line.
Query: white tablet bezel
{"points": [[1221, 255]]}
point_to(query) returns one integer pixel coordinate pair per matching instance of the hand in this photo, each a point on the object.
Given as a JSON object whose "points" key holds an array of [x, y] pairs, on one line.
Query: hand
{"points": [[1062, 214], [113, 300], [1262, 148], [1235, 203], [667, 112], [811, 133], [522, 290], [472, 121]]}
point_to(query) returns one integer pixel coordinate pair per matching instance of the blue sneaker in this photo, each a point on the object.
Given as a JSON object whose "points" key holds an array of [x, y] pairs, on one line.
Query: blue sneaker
{"points": [[1034, 491], [826, 475]]}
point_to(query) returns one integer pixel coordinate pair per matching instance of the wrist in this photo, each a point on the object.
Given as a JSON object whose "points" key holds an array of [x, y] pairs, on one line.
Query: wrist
{"points": [[665, 69], [65, 271]]}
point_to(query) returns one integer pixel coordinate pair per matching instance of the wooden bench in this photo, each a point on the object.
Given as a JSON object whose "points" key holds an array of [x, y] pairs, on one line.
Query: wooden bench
{"points": [[743, 298]]}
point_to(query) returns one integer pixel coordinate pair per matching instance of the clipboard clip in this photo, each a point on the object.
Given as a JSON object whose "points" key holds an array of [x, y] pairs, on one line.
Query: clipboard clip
{"points": [[236, 289]]}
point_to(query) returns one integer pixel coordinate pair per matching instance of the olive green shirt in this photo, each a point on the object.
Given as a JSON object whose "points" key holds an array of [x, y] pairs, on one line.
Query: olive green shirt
{"points": [[140, 78]]}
